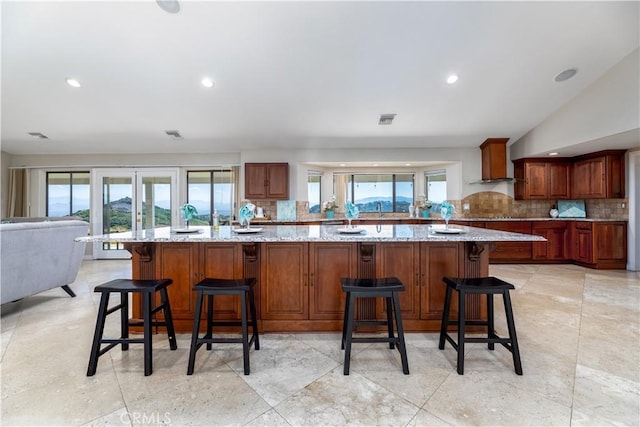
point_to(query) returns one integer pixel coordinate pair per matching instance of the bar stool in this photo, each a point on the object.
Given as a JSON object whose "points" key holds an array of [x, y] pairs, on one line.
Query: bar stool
{"points": [[147, 288], [480, 285], [386, 288], [211, 287]]}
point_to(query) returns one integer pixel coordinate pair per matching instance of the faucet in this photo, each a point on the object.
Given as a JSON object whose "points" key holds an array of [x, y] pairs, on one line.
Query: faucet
{"points": [[379, 208]]}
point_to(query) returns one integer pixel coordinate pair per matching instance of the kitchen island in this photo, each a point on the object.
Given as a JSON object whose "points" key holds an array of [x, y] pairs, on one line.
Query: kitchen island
{"points": [[298, 269]]}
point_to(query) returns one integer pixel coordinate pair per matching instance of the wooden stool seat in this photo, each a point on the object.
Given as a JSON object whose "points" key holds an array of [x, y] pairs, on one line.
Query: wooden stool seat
{"points": [[125, 286], [386, 288], [480, 285]]}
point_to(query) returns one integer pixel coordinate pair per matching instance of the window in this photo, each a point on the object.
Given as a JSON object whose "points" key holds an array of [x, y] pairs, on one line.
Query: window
{"points": [[387, 192], [209, 190], [314, 191], [68, 194], [436, 185]]}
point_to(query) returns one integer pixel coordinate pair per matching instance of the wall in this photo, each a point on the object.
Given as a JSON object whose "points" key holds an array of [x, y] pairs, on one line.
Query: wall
{"points": [[608, 107]]}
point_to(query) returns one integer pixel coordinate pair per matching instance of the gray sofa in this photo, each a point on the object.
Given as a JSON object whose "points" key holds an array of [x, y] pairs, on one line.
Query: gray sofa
{"points": [[38, 256]]}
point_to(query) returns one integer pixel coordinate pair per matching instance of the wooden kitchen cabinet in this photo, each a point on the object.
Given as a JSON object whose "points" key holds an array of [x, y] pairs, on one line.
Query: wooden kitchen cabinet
{"points": [[284, 281], [266, 181], [541, 179], [401, 260], [510, 252], [599, 175], [301, 281], [556, 248], [600, 244], [223, 261]]}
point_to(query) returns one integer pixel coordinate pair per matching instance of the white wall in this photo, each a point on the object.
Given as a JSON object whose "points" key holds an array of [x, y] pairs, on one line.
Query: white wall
{"points": [[610, 106], [5, 160]]}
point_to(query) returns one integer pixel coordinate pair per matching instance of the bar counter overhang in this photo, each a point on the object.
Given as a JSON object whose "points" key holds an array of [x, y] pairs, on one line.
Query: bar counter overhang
{"points": [[298, 269]]}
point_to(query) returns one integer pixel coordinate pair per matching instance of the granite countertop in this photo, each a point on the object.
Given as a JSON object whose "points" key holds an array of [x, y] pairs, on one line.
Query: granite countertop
{"points": [[316, 233], [426, 220]]}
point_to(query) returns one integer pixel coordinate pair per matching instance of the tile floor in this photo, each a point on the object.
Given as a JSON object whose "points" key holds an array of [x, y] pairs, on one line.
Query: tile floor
{"points": [[578, 331]]}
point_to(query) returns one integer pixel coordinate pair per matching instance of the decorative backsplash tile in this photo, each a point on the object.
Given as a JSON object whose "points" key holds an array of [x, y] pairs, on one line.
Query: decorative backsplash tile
{"points": [[490, 204]]}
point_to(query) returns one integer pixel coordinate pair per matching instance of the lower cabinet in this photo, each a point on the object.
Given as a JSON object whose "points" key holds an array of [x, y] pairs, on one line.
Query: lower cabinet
{"points": [[600, 244], [556, 248], [301, 281]]}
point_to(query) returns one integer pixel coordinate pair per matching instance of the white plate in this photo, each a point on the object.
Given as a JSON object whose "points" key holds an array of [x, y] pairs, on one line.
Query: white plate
{"points": [[449, 230], [350, 230], [186, 230], [247, 230]]}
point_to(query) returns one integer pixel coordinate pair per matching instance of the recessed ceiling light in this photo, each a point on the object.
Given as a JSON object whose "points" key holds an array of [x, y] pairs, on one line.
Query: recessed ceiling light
{"points": [[169, 6], [452, 79], [207, 82], [565, 75], [343, 164], [408, 164], [72, 82], [375, 164], [555, 153]]}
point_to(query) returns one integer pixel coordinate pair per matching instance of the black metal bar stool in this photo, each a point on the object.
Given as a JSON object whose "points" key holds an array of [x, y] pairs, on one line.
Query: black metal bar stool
{"points": [[125, 286], [386, 288], [480, 285], [211, 287]]}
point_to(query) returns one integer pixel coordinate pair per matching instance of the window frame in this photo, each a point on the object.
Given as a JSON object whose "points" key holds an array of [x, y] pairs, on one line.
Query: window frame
{"points": [[212, 200], [71, 184]]}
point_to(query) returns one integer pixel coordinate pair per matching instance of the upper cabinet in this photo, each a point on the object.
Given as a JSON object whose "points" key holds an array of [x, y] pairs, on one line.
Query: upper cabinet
{"points": [[599, 175], [266, 181], [541, 179], [593, 176]]}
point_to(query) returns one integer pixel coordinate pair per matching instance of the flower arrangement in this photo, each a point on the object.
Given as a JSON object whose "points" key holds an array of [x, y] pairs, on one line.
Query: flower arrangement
{"points": [[329, 205], [188, 211], [423, 203]]}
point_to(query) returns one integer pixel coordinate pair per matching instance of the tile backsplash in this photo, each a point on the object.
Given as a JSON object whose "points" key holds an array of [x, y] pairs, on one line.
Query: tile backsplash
{"points": [[490, 204]]}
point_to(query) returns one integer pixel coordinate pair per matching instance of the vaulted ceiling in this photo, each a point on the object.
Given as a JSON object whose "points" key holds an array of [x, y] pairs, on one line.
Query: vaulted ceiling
{"points": [[295, 75]]}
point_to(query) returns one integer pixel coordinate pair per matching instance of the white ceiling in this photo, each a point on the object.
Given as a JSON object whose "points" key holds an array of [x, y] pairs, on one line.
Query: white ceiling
{"points": [[295, 75]]}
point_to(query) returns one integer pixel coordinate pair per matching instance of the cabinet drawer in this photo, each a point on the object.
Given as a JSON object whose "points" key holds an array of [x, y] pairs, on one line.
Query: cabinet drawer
{"points": [[582, 225]]}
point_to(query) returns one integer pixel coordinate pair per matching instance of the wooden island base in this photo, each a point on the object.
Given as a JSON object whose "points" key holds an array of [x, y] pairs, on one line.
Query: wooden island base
{"points": [[298, 283]]}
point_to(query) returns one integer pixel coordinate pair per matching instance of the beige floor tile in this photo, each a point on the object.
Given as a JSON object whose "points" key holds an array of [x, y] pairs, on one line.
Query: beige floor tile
{"points": [[579, 333]]}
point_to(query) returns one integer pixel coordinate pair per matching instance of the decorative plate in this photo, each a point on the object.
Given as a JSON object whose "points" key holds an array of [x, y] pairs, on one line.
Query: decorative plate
{"points": [[449, 230], [186, 230], [350, 230], [247, 230]]}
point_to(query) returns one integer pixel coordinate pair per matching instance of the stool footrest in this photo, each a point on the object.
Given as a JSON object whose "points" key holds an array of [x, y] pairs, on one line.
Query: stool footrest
{"points": [[114, 309]]}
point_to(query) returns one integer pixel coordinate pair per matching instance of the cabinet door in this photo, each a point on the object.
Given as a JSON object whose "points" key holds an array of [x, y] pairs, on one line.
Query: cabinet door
{"points": [[597, 178], [615, 176], [536, 180], [284, 288], [223, 261], [401, 259], [555, 248], [558, 177], [611, 241], [179, 262], [437, 261], [255, 181], [583, 246], [277, 181], [581, 187], [328, 263]]}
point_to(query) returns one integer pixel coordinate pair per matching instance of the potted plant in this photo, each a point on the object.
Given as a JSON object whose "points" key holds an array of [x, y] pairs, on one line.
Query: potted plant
{"points": [[329, 207]]}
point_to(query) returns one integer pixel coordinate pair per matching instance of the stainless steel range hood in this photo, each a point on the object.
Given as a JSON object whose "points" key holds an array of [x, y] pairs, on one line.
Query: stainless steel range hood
{"points": [[494, 161]]}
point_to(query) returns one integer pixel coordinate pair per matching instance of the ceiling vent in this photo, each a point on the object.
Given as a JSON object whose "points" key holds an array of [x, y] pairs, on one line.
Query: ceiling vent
{"points": [[174, 134], [386, 119], [38, 135]]}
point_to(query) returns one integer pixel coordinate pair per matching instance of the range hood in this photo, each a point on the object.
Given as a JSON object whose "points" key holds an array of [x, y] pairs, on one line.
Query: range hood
{"points": [[494, 161]]}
